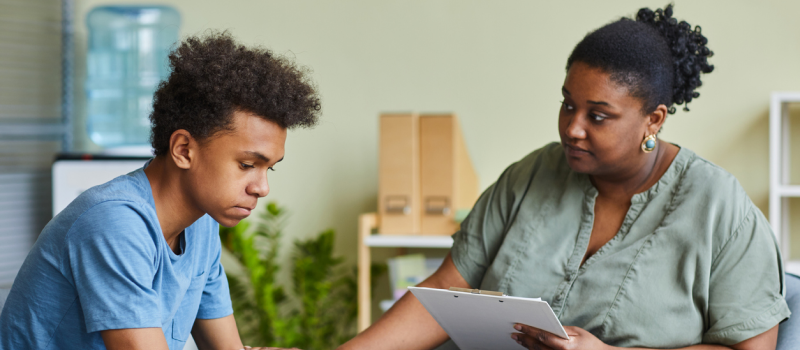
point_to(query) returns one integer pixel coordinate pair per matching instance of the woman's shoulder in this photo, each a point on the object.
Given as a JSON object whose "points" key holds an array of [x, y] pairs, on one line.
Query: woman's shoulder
{"points": [[705, 178], [707, 188]]}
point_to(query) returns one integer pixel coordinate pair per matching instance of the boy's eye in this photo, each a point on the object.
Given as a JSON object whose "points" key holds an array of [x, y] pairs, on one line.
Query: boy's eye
{"points": [[566, 105]]}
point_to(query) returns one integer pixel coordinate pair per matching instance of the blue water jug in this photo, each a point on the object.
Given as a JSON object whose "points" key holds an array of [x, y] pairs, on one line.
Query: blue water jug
{"points": [[126, 60]]}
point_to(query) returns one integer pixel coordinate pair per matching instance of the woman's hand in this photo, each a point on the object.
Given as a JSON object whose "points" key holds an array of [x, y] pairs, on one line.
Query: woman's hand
{"points": [[537, 339]]}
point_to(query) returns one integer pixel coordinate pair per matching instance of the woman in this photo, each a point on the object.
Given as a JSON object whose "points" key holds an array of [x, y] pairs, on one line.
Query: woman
{"points": [[634, 242]]}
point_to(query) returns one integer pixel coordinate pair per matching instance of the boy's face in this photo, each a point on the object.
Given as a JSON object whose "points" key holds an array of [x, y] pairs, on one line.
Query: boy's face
{"points": [[230, 172]]}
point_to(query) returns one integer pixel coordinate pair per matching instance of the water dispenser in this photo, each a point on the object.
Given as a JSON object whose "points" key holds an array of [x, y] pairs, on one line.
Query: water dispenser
{"points": [[126, 60]]}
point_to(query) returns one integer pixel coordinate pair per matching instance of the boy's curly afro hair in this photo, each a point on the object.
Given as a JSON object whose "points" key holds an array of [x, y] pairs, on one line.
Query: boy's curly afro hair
{"points": [[658, 58], [213, 76]]}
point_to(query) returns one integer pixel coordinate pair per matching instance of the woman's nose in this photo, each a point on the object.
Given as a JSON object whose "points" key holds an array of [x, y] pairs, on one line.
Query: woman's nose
{"points": [[575, 129]]}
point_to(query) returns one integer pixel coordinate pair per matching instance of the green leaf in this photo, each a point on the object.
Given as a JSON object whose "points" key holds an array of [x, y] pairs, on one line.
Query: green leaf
{"points": [[321, 310]]}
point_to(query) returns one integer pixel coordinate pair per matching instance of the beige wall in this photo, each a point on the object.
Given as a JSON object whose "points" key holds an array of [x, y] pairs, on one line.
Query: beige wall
{"points": [[499, 65]]}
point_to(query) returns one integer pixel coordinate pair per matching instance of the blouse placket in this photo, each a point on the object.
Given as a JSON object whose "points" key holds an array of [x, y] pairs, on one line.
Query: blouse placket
{"points": [[574, 268]]}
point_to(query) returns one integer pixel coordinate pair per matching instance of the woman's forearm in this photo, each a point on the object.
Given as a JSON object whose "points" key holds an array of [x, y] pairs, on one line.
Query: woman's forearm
{"points": [[693, 347], [407, 325], [764, 341]]}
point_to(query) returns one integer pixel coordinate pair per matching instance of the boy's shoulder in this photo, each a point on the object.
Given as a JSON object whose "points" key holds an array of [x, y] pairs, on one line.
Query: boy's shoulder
{"points": [[124, 202], [131, 188]]}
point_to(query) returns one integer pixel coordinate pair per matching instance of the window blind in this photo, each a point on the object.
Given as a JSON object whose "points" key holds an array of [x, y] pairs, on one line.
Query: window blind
{"points": [[31, 122]]}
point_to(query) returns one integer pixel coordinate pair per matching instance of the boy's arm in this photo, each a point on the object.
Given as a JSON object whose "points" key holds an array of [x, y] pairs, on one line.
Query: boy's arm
{"points": [[135, 339], [216, 334]]}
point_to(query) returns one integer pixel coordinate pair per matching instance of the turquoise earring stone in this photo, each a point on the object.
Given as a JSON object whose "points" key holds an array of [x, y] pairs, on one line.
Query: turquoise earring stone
{"points": [[650, 144]]}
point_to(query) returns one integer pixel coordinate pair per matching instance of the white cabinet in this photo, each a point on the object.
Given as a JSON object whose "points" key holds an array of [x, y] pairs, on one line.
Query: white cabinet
{"points": [[780, 188]]}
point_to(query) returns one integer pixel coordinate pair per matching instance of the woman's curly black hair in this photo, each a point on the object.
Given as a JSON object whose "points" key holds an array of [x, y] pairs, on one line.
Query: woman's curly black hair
{"points": [[213, 76], [656, 57]]}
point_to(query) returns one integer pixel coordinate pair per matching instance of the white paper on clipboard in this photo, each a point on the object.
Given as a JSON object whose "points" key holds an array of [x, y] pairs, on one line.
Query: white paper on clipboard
{"points": [[480, 321]]}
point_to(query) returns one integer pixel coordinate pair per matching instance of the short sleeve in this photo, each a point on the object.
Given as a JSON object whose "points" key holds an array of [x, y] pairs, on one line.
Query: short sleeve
{"points": [[216, 299], [112, 256], [746, 284], [482, 229]]}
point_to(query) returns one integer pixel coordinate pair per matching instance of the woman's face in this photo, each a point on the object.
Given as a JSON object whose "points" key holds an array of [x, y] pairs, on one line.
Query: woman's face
{"points": [[601, 125]]}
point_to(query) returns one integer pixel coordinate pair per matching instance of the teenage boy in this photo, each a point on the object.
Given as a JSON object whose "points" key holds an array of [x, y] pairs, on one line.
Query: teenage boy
{"points": [[135, 263]]}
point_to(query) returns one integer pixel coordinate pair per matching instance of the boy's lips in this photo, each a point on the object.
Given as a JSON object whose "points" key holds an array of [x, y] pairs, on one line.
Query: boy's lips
{"points": [[244, 210]]}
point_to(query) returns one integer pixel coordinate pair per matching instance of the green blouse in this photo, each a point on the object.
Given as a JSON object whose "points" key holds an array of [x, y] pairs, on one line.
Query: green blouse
{"points": [[695, 261]]}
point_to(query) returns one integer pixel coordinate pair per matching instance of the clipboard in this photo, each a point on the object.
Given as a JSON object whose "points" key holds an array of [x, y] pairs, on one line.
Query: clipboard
{"points": [[480, 320]]}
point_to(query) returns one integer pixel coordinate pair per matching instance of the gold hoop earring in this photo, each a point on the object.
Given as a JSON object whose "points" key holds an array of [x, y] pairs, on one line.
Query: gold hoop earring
{"points": [[649, 143]]}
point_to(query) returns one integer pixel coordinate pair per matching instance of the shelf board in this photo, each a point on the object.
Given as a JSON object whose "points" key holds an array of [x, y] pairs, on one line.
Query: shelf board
{"points": [[409, 241], [786, 96], [789, 191]]}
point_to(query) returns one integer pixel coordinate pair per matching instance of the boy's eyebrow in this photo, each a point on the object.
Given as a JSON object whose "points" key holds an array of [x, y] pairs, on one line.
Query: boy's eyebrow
{"points": [[260, 156]]}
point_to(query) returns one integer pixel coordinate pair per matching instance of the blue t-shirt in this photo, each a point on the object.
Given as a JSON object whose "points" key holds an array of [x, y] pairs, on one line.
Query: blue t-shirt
{"points": [[103, 263]]}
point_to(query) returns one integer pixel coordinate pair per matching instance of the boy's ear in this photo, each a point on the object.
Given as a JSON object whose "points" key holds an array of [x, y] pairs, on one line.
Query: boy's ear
{"points": [[182, 148]]}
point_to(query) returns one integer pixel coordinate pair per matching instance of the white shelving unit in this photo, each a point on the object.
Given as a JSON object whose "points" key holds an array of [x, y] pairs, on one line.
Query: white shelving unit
{"points": [[409, 241], [366, 241], [780, 190]]}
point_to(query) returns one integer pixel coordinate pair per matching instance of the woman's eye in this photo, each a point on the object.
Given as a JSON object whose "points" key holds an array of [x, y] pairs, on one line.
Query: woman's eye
{"points": [[246, 166], [271, 168], [597, 118], [567, 106]]}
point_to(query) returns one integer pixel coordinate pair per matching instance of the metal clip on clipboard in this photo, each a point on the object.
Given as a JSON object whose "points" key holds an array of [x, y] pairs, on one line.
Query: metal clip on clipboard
{"points": [[478, 291]]}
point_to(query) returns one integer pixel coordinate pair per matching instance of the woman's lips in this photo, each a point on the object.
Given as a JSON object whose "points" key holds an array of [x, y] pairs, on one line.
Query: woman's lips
{"points": [[573, 151]]}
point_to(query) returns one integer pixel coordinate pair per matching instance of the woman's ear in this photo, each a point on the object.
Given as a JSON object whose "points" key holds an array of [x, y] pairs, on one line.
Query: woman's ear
{"points": [[656, 119], [182, 148]]}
